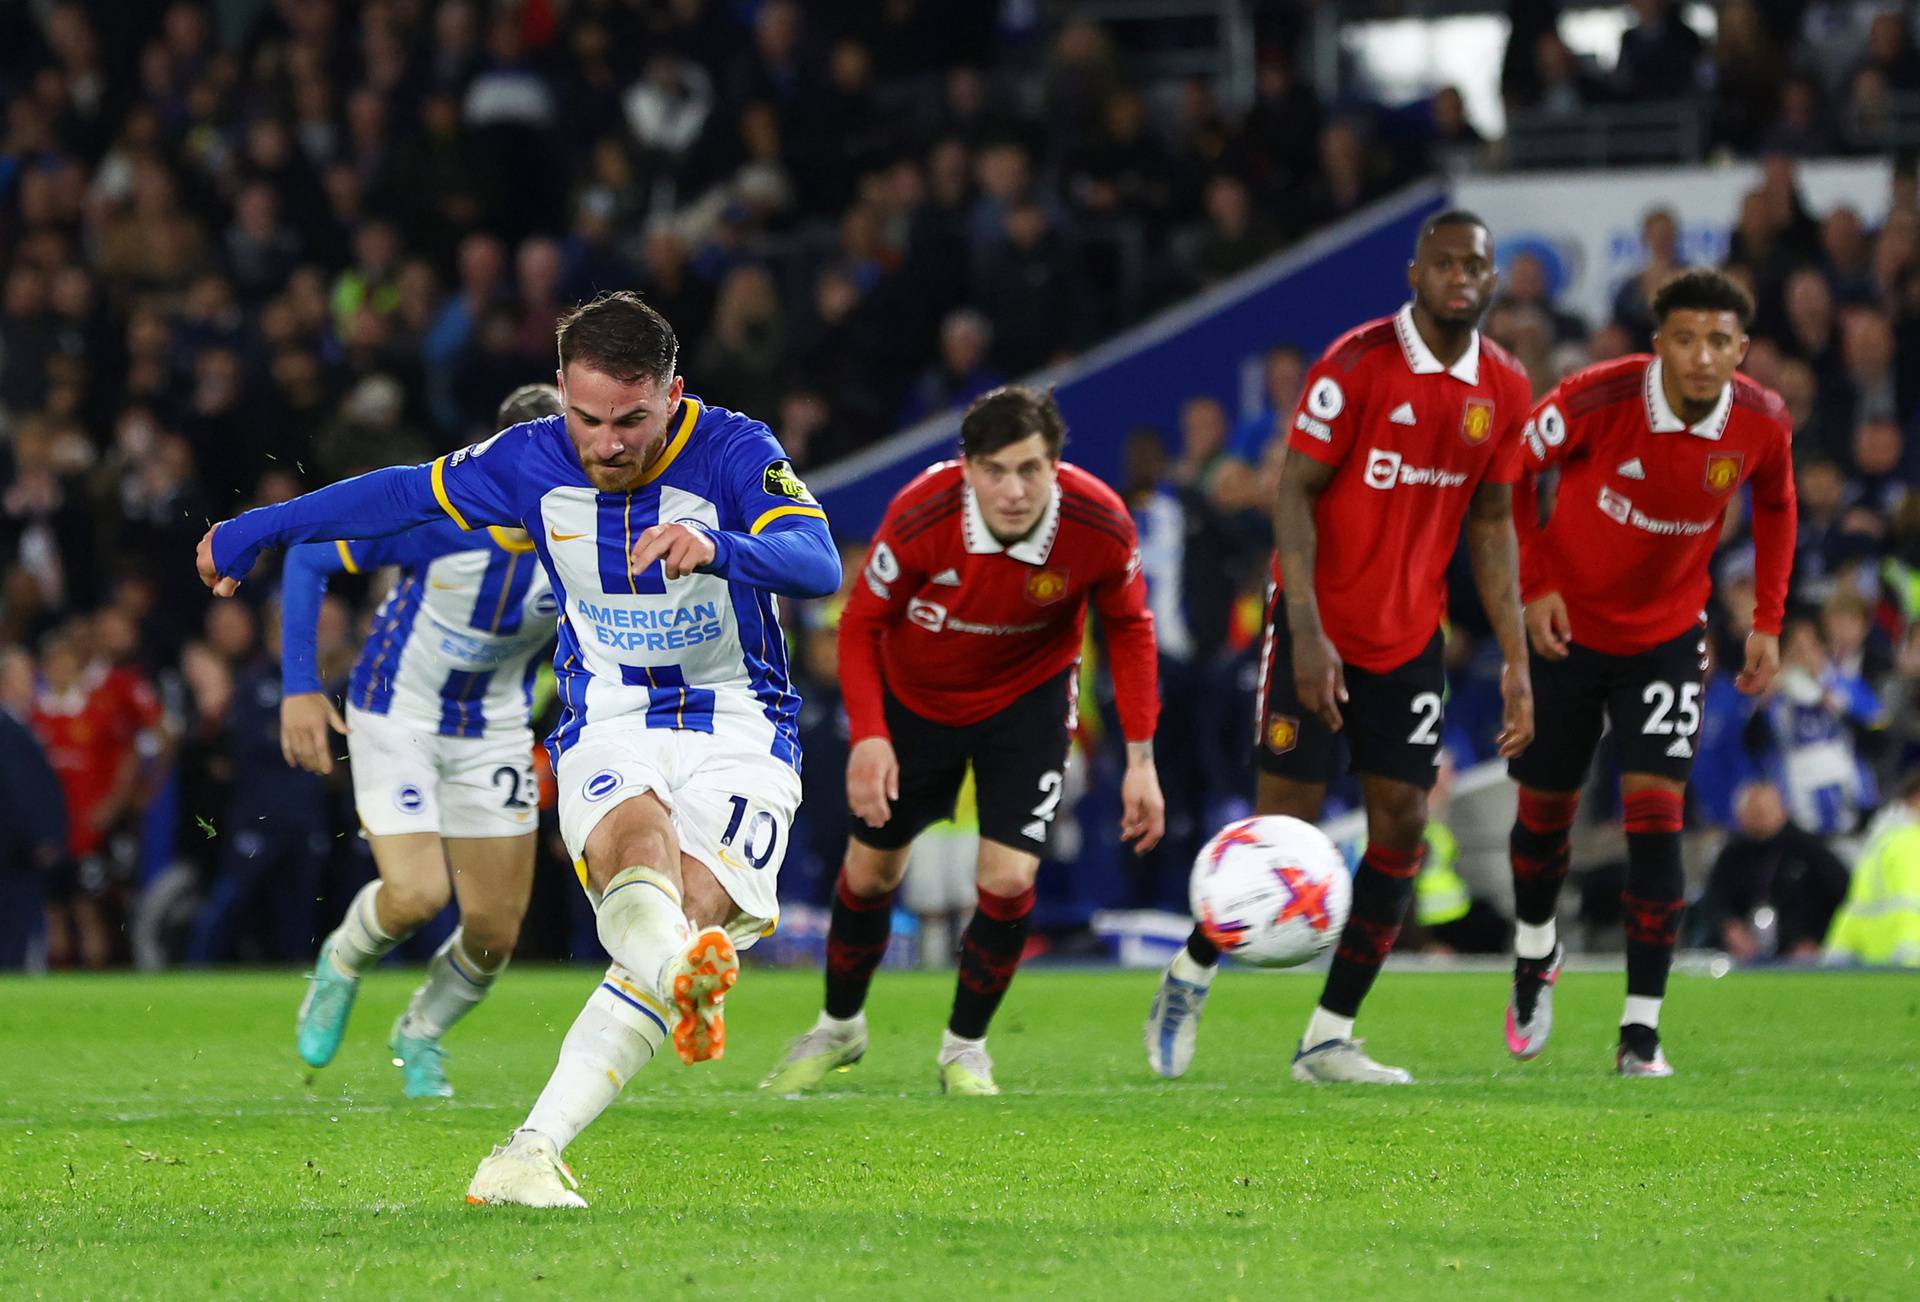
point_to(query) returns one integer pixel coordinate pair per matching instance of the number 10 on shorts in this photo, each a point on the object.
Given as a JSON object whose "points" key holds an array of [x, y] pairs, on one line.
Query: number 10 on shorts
{"points": [[755, 838]]}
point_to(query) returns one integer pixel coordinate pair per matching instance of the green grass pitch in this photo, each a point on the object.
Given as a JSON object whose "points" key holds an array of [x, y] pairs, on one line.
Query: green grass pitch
{"points": [[158, 1138]]}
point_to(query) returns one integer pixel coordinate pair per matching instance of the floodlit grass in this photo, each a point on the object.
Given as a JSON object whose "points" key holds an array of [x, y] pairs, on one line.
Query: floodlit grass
{"points": [[158, 1138]]}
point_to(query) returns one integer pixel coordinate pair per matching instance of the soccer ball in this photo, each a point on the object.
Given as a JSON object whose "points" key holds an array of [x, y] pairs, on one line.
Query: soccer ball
{"points": [[1271, 891]]}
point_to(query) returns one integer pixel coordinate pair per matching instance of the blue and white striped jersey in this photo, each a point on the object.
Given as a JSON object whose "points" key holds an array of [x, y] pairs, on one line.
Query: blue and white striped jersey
{"points": [[683, 654], [456, 644]]}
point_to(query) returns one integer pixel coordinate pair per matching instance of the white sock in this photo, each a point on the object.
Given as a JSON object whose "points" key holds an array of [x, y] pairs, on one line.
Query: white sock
{"points": [[1185, 969], [453, 986], [952, 1046], [842, 1028], [1531, 940], [1641, 1011], [358, 943], [1324, 1026], [615, 1035], [642, 925]]}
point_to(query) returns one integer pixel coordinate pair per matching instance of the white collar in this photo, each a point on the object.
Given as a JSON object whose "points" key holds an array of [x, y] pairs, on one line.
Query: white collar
{"points": [[1664, 420], [1032, 549], [1420, 358]]}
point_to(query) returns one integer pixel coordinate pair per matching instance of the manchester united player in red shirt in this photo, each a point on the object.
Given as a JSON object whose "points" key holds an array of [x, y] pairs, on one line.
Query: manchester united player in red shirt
{"points": [[1408, 425], [1649, 450], [962, 643]]}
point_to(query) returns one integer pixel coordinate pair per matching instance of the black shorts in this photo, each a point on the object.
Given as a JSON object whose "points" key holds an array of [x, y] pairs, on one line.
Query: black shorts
{"points": [[1651, 701], [1019, 758], [1391, 721]]}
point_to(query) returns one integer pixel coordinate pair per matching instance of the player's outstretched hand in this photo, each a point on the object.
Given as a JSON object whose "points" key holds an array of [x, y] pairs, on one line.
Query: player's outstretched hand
{"points": [[1516, 710], [1763, 662], [1143, 810], [304, 720], [681, 549], [209, 575], [1319, 677], [1548, 628], [873, 780]]}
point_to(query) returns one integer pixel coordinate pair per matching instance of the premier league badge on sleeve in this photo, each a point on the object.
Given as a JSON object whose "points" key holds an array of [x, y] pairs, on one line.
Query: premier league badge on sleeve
{"points": [[780, 481]]}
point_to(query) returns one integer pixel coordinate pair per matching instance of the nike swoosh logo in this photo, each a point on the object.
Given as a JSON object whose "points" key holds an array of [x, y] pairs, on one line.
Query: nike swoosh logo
{"points": [[563, 537], [444, 587]]}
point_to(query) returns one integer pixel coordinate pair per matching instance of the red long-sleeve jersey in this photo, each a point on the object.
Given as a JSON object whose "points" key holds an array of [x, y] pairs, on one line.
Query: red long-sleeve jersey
{"points": [[1640, 502], [958, 626]]}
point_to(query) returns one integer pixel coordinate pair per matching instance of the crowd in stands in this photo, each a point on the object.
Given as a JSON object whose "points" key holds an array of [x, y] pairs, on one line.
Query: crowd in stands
{"points": [[250, 247]]}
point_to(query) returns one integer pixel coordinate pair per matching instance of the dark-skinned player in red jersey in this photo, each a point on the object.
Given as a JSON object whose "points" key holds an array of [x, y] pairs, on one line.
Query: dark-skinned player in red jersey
{"points": [[961, 643], [1407, 426], [1649, 450]]}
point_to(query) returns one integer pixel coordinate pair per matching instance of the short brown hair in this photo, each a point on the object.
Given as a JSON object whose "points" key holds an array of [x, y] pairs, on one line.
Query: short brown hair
{"points": [[617, 334], [1007, 415]]}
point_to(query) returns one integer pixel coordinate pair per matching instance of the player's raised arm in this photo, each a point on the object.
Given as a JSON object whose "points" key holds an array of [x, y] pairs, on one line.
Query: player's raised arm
{"points": [[466, 486], [783, 544], [1775, 528]]}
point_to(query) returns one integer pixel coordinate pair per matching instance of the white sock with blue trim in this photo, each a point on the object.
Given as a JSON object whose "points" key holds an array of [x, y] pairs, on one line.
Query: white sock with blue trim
{"points": [[454, 984], [616, 1034], [358, 943], [642, 925]]}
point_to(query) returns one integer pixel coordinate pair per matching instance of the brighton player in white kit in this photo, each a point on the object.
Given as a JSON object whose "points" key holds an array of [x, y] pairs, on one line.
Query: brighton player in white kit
{"points": [[667, 528], [439, 740]]}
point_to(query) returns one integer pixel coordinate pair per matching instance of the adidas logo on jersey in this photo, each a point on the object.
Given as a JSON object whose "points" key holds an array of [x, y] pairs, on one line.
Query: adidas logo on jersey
{"points": [[1681, 748], [1403, 415], [1632, 469], [947, 578]]}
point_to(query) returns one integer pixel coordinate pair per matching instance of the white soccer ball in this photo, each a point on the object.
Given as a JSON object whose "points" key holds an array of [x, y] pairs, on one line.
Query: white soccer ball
{"points": [[1271, 891]]}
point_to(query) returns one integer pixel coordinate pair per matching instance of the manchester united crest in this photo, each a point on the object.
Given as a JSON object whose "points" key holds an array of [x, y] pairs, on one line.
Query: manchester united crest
{"points": [[1476, 421], [1723, 471], [1283, 733], [1047, 587]]}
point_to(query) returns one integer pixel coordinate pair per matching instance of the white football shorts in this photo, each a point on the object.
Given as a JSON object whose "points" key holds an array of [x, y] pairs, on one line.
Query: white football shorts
{"points": [[732, 805], [408, 779]]}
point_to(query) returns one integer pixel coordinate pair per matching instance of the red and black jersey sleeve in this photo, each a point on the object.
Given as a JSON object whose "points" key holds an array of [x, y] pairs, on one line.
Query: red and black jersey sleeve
{"points": [[1119, 595], [894, 571]]}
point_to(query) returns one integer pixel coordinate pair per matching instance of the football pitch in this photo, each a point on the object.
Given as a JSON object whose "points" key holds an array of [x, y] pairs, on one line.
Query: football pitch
{"points": [[158, 1138]]}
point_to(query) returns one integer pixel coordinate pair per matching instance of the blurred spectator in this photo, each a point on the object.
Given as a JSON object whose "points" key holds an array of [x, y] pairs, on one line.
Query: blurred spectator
{"points": [[1808, 729], [1542, 75], [962, 372], [740, 364], [1880, 920], [275, 832], [1524, 283], [1747, 70], [1233, 238], [1660, 56], [1773, 889], [1660, 242], [33, 839]]}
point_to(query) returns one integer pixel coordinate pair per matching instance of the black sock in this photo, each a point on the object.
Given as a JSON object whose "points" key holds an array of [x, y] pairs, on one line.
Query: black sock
{"points": [[1641, 1041], [989, 954], [856, 942], [1201, 950], [1538, 850], [1382, 889], [1655, 894]]}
